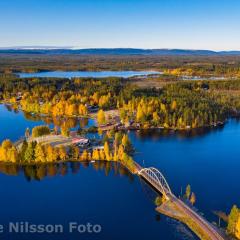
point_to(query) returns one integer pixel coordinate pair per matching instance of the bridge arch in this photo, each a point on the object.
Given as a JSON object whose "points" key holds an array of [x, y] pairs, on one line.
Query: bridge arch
{"points": [[154, 175]]}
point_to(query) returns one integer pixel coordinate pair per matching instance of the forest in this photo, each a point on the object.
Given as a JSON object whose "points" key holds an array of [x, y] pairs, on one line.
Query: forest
{"points": [[172, 104], [116, 147], [180, 105], [228, 66]]}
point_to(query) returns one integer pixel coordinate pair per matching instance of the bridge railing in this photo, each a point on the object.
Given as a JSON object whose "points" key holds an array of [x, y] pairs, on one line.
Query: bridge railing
{"points": [[156, 178]]}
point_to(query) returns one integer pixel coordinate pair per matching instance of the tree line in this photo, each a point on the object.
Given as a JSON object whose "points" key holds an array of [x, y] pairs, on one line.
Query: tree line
{"points": [[179, 106], [116, 148], [195, 65]]}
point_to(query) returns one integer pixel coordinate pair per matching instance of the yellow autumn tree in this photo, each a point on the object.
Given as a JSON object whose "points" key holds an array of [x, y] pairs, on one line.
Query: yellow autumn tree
{"points": [[71, 109], [8, 152], [39, 153], [102, 154], [62, 153], [13, 154], [125, 141], [50, 155], [104, 100], [82, 110], [120, 152], [95, 98], [7, 144], [193, 198], [84, 156], [101, 119], [237, 234], [163, 107], [75, 152], [107, 152], [155, 118], [140, 114], [95, 155], [233, 222], [115, 155], [65, 130], [174, 105]]}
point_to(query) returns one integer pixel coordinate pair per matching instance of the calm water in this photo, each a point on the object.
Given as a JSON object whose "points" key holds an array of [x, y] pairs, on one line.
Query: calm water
{"points": [[102, 74], [209, 161], [14, 123], [197, 78], [110, 196]]}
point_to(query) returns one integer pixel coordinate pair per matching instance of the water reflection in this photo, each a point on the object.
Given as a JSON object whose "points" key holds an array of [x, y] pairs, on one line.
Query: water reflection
{"points": [[41, 171], [12, 108], [156, 134], [68, 122], [149, 192]]}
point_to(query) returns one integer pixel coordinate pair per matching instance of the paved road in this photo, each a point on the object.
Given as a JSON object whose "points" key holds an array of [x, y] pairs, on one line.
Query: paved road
{"points": [[199, 220]]}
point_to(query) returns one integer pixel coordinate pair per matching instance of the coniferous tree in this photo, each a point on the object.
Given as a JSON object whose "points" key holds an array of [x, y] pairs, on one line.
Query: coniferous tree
{"points": [[188, 191], [30, 152]]}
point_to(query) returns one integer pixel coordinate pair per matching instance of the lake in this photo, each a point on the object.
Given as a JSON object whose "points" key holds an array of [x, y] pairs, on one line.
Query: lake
{"points": [[100, 74], [108, 195], [198, 78]]}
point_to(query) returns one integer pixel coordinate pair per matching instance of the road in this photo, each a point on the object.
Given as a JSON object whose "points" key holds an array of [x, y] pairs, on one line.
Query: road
{"points": [[205, 226], [199, 220]]}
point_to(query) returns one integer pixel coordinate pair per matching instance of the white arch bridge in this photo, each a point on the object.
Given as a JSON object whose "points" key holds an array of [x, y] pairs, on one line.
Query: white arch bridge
{"points": [[157, 180]]}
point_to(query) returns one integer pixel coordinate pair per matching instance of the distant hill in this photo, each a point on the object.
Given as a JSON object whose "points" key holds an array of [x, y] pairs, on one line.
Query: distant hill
{"points": [[116, 51]]}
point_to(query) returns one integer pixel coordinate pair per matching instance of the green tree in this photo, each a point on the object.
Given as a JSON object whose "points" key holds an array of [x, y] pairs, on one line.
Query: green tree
{"points": [[188, 191], [117, 138], [126, 143], [30, 152], [155, 118], [40, 131], [158, 201], [76, 152], [23, 150]]}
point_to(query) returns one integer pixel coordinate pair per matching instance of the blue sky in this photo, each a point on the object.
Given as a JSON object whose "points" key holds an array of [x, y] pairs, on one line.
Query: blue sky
{"points": [[188, 24]]}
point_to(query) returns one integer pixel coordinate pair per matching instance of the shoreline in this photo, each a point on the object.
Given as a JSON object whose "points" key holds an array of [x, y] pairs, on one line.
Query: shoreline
{"points": [[107, 127], [55, 162], [38, 164]]}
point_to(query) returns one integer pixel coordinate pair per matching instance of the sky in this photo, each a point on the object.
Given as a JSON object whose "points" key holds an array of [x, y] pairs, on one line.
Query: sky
{"points": [[186, 24]]}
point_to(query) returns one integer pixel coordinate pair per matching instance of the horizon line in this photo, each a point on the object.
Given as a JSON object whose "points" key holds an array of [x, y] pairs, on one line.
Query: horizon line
{"points": [[47, 47]]}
